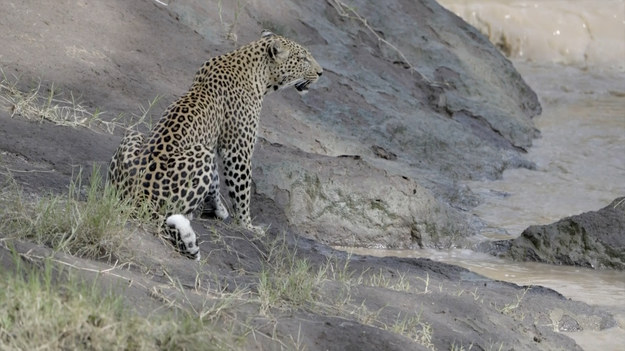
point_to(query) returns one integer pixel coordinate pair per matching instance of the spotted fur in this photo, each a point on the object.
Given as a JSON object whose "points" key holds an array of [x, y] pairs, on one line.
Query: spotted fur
{"points": [[174, 166]]}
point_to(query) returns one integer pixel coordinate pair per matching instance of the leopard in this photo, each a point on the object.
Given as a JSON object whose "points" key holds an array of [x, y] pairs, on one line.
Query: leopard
{"points": [[174, 169]]}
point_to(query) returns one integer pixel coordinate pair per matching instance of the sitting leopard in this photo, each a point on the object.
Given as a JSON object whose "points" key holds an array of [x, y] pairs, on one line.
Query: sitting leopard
{"points": [[174, 167]]}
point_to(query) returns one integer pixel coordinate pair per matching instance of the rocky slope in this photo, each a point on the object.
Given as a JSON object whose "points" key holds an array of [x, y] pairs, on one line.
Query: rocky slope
{"points": [[413, 100], [417, 95]]}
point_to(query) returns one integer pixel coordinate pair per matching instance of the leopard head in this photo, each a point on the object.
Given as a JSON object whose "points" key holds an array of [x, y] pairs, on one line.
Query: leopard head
{"points": [[290, 64]]}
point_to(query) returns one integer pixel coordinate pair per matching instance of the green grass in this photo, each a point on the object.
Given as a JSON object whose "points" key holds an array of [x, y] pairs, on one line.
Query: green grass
{"points": [[88, 221], [413, 327], [289, 282], [91, 222], [48, 310], [285, 280], [380, 279]]}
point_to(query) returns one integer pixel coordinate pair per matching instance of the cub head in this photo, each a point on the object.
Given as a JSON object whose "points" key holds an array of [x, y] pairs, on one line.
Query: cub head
{"points": [[290, 64]]}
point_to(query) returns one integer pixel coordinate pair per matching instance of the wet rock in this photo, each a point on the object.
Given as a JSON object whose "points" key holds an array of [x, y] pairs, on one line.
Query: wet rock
{"points": [[346, 201], [593, 239], [569, 324]]}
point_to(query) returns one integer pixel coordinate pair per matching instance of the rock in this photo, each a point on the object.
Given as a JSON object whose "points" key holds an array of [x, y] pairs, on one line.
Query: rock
{"points": [[569, 324], [423, 99], [383, 153], [326, 178], [423, 96], [345, 201], [593, 239]]}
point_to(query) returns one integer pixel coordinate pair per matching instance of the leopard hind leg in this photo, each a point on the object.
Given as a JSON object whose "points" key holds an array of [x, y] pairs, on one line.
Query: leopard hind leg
{"points": [[187, 174], [213, 202], [122, 168]]}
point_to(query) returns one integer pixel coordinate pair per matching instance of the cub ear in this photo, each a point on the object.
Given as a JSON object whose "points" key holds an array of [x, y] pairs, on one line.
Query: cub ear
{"points": [[277, 51]]}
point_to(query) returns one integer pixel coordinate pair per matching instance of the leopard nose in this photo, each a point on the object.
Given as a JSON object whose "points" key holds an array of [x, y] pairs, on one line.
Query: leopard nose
{"points": [[319, 73]]}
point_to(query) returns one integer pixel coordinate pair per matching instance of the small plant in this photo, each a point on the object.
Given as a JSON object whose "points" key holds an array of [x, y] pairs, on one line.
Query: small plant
{"points": [[414, 328], [456, 347], [38, 105], [53, 310], [286, 279], [381, 280], [142, 120], [333, 269], [89, 222], [511, 308], [495, 347], [231, 28], [366, 316], [426, 282]]}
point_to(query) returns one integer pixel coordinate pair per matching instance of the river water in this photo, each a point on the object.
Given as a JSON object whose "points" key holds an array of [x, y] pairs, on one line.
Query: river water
{"points": [[572, 53]]}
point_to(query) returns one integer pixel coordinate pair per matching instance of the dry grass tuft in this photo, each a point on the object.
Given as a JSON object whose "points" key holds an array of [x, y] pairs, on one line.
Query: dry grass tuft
{"points": [[88, 222], [64, 313], [47, 104]]}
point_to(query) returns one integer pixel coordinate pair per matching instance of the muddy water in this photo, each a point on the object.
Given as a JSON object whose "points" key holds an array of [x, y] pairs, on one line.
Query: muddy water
{"points": [[572, 53], [602, 288], [571, 32], [580, 157], [580, 166]]}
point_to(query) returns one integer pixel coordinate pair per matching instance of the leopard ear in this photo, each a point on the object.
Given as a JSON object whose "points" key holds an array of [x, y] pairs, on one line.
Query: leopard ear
{"points": [[266, 33], [277, 51]]}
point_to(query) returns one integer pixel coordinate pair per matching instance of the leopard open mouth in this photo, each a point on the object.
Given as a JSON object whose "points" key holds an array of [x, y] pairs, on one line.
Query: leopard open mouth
{"points": [[302, 86]]}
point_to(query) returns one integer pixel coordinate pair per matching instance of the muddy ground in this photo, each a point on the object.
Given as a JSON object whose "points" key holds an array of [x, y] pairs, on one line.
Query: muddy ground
{"points": [[455, 308], [460, 307]]}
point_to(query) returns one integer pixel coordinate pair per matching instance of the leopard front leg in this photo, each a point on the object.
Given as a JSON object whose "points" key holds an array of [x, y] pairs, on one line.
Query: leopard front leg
{"points": [[238, 180]]}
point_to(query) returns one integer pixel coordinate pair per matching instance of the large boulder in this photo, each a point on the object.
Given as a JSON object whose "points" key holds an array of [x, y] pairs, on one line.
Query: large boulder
{"points": [[593, 239], [419, 96], [346, 201]]}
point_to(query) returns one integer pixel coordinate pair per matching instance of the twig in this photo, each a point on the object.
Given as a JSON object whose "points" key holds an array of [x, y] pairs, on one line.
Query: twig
{"points": [[344, 11], [107, 271]]}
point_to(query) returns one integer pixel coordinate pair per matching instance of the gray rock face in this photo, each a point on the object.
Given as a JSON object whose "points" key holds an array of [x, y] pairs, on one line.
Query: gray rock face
{"points": [[345, 201], [593, 239], [421, 97]]}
